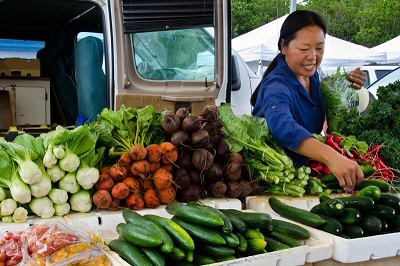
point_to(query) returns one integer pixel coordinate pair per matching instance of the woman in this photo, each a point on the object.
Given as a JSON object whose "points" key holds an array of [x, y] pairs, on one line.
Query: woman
{"points": [[290, 96]]}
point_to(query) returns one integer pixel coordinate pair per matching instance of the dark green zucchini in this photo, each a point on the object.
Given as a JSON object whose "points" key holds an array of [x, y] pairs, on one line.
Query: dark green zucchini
{"points": [[352, 231], [383, 211], [392, 200], [293, 230], [331, 225], [370, 224], [394, 224], [274, 245], [361, 203], [381, 184], [372, 191], [331, 207], [349, 216]]}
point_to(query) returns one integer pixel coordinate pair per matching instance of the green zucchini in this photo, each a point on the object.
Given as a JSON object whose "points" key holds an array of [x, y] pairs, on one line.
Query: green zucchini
{"points": [[293, 230], [349, 216], [138, 235], [201, 259], [361, 203], [252, 219], [373, 192], [215, 251], [176, 232], [285, 239], [383, 212], [237, 224], [353, 230], [200, 233], [274, 245], [129, 252], [253, 234], [389, 199], [133, 217], [370, 224], [294, 213], [242, 243], [331, 225], [332, 207], [227, 227], [255, 246], [154, 255], [381, 184], [194, 215]]}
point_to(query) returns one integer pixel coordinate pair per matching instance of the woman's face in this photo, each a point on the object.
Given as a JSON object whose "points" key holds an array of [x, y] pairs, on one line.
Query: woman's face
{"points": [[304, 53]]}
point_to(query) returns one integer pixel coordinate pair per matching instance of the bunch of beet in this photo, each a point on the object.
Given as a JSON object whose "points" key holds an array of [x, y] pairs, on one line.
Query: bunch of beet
{"points": [[140, 179], [205, 165]]}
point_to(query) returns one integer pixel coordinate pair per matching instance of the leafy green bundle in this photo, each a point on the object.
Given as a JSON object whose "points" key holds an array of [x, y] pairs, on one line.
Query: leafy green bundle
{"points": [[381, 125]]}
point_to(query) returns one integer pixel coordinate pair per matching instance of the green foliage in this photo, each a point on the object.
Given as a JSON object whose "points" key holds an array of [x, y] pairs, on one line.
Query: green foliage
{"points": [[381, 125]]}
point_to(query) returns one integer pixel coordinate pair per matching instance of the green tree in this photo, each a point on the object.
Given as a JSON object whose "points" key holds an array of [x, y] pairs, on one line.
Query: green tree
{"points": [[250, 14]]}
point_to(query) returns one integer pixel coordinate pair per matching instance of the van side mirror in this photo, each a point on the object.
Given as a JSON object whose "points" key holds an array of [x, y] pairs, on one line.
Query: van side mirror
{"points": [[235, 74]]}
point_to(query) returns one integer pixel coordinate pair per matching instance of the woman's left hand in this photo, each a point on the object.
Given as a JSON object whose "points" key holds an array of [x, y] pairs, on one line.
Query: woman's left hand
{"points": [[357, 78]]}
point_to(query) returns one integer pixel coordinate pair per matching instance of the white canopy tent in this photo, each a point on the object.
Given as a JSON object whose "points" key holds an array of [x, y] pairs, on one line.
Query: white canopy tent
{"points": [[261, 45], [391, 48]]}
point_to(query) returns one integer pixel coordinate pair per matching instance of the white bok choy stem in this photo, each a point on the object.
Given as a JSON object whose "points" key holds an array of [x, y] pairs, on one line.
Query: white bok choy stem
{"points": [[81, 201], [58, 195], [8, 206], [20, 215], [62, 209], [43, 187], [49, 159], [55, 173], [59, 152], [88, 173], [69, 183], [9, 177], [42, 207]]}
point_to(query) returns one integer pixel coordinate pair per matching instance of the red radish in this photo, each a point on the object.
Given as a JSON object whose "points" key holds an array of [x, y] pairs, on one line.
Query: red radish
{"points": [[337, 139], [326, 170]]}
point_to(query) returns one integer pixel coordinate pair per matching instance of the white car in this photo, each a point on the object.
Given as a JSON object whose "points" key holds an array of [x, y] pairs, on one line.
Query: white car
{"points": [[390, 77]]}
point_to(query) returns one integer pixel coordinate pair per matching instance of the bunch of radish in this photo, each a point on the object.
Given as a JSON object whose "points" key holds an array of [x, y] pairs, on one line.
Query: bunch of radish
{"points": [[140, 179], [355, 150], [205, 165]]}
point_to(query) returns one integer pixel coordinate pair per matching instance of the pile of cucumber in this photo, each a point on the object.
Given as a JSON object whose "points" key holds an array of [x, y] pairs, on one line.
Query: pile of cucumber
{"points": [[366, 213], [198, 234]]}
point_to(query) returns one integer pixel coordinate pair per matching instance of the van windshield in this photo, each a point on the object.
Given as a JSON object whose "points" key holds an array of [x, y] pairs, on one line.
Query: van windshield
{"points": [[186, 54]]}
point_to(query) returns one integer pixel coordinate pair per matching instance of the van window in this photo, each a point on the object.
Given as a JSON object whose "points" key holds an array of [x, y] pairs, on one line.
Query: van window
{"points": [[19, 48], [183, 54]]}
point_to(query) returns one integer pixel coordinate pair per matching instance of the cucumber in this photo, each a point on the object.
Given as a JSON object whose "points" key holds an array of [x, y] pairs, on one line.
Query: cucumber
{"points": [[361, 203], [231, 239], [189, 255], [227, 227], [133, 217], [215, 251], [372, 191], [353, 231], [274, 245], [242, 243], [129, 252], [222, 259], [138, 235], [381, 184], [194, 215], [252, 219], [383, 212], [255, 246], [154, 255], [237, 224], [332, 207], [201, 259], [331, 225], [370, 224], [253, 234], [285, 239], [389, 199], [177, 254], [200, 233], [293, 230], [176, 232], [349, 216], [323, 196], [294, 213]]}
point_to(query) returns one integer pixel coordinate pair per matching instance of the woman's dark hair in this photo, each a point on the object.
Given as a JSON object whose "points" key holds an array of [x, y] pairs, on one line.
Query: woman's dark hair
{"points": [[292, 24]]}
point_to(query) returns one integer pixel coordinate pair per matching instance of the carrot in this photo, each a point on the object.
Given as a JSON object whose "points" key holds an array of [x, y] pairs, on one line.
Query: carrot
{"points": [[154, 167], [146, 183], [115, 204], [120, 190], [102, 199], [168, 167], [125, 158], [167, 195], [140, 168], [118, 172], [137, 152], [153, 153], [105, 182], [133, 184], [134, 201], [162, 179], [150, 199], [169, 153]]}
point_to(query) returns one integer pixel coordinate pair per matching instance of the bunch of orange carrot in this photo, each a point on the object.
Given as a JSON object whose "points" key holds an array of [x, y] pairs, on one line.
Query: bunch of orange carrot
{"points": [[141, 178]]}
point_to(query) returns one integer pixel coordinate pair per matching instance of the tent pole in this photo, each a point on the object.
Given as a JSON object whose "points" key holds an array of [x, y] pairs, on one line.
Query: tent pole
{"points": [[293, 5]]}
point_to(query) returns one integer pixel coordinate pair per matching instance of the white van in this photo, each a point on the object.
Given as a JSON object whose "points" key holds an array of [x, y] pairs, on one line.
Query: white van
{"points": [[144, 52], [373, 72]]}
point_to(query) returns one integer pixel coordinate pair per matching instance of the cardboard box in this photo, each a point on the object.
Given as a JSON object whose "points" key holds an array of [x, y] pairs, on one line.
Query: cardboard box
{"points": [[7, 108], [20, 67]]}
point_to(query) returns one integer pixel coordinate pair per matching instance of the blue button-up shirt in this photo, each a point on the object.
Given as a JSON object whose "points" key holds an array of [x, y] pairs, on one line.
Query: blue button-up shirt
{"points": [[292, 114]]}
